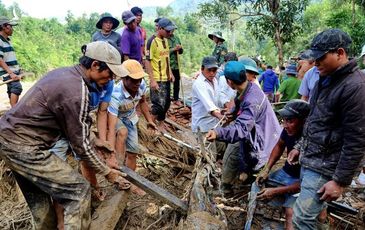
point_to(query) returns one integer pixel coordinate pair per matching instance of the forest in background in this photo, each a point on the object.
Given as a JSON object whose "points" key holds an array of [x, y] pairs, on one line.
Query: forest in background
{"points": [[44, 44]]}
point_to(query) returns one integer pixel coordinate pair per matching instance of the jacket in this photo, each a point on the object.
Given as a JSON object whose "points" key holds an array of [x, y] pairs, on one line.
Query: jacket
{"points": [[57, 105], [256, 124], [334, 135], [271, 81]]}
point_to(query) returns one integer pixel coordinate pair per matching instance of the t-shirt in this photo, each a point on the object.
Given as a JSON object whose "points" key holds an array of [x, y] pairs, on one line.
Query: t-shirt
{"points": [[157, 52], [100, 95], [309, 81], [289, 89], [290, 141], [7, 53], [173, 41], [113, 38], [123, 105], [131, 43]]}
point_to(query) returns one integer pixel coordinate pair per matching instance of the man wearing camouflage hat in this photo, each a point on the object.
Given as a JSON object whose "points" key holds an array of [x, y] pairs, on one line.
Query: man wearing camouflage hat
{"points": [[333, 143], [220, 49]]}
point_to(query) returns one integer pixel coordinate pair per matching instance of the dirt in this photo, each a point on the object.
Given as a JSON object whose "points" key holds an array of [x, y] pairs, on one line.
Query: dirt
{"points": [[4, 100]]}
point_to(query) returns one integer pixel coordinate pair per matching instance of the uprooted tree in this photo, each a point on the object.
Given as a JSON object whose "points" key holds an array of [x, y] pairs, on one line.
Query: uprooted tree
{"points": [[279, 20]]}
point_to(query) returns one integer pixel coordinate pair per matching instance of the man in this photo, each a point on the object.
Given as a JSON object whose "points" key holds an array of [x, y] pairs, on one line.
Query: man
{"points": [[288, 90], [205, 113], [131, 38], [220, 48], [138, 13], [270, 83], [286, 179], [311, 75], [333, 144], [57, 105], [251, 69], [304, 64], [107, 23], [255, 127], [8, 63], [159, 72], [123, 118], [175, 51]]}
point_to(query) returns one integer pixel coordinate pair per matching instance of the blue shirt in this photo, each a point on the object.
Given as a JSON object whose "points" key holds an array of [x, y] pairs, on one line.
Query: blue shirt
{"points": [[123, 105], [271, 81], [102, 94], [309, 81]]}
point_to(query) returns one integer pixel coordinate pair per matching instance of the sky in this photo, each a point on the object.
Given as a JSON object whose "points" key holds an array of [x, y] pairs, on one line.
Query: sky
{"points": [[58, 8]]}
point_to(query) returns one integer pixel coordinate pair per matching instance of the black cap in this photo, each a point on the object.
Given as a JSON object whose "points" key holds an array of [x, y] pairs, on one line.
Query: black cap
{"points": [[167, 24], [210, 62], [136, 10], [157, 19], [328, 40], [295, 108], [305, 55]]}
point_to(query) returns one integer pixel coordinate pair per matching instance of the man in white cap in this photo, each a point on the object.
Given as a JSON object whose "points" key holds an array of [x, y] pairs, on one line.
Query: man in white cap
{"points": [[57, 105], [8, 62]]}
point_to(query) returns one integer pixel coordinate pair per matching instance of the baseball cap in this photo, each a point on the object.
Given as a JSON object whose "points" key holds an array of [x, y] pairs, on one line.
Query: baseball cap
{"points": [[134, 68], [166, 23], [233, 69], [136, 10], [305, 55], [362, 51], [291, 69], [128, 17], [295, 108], [249, 64], [328, 40], [103, 51], [5, 20], [210, 62]]}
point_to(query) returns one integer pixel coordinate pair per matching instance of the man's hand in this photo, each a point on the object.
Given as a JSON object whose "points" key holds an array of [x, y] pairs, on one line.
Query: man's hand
{"points": [[263, 175], [116, 177], [154, 85], [211, 135], [177, 47], [266, 194], [293, 157], [14, 77], [330, 191], [151, 125], [172, 77]]}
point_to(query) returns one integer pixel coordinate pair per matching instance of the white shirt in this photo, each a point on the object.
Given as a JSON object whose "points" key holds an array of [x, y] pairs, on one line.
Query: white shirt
{"points": [[225, 92], [204, 101]]}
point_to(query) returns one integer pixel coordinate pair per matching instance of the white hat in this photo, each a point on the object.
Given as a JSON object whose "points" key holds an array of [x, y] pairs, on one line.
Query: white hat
{"points": [[103, 51]]}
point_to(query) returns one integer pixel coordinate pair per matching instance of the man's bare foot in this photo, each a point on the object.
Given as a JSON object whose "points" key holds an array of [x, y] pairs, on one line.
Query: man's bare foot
{"points": [[138, 191]]}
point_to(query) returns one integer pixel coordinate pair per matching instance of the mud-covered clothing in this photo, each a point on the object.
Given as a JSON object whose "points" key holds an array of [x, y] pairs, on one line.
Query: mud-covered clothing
{"points": [[256, 125], [113, 38], [161, 100], [204, 102], [220, 50], [270, 81], [173, 41], [42, 175], [333, 141], [289, 142], [289, 89], [57, 105], [158, 53]]}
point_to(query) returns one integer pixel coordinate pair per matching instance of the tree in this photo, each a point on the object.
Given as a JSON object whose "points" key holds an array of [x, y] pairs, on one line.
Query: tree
{"points": [[276, 19]]}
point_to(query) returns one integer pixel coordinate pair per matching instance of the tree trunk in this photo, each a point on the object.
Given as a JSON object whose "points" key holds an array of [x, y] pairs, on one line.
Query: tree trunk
{"points": [[279, 43]]}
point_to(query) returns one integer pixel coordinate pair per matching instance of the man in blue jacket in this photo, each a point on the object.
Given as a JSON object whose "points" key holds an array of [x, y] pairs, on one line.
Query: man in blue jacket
{"points": [[270, 83]]}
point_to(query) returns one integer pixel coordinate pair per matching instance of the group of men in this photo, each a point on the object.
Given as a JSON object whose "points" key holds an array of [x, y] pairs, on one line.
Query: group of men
{"points": [[54, 116]]}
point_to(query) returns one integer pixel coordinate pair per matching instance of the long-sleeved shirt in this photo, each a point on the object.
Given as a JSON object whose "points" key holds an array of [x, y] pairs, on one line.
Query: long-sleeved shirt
{"points": [[271, 81], [204, 101], [58, 104], [256, 123]]}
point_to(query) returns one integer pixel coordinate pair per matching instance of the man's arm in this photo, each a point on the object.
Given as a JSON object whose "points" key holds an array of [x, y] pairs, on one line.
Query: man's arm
{"points": [[145, 109], [276, 153], [111, 135], [8, 70], [269, 193], [102, 120]]}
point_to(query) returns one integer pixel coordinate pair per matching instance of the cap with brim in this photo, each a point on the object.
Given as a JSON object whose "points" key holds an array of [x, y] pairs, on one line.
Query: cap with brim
{"points": [[295, 108], [5, 20], [103, 51], [249, 64], [316, 54], [107, 16], [291, 69], [134, 68], [167, 24], [217, 34], [210, 62], [128, 17], [305, 55], [233, 69]]}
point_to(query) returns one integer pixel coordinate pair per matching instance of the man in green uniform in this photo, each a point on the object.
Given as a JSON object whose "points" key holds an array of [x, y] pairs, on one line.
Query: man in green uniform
{"points": [[288, 90], [220, 48], [175, 50]]}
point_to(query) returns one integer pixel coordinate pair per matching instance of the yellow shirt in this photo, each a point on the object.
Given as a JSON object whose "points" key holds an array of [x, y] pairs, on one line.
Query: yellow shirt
{"points": [[157, 52]]}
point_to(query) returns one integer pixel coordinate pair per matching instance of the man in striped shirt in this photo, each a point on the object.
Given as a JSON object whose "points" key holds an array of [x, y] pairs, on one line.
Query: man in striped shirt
{"points": [[58, 105], [8, 63]]}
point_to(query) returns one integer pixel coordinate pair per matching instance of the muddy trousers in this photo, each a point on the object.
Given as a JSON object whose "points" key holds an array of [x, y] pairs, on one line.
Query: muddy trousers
{"points": [[43, 177]]}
